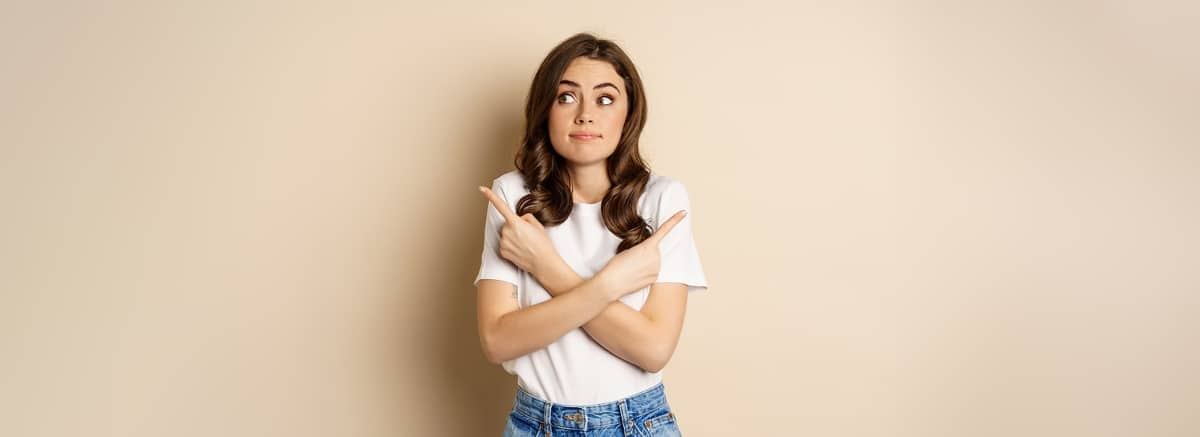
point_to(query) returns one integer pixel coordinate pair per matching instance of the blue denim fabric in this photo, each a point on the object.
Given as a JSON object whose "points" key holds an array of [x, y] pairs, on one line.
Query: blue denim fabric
{"points": [[645, 414]]}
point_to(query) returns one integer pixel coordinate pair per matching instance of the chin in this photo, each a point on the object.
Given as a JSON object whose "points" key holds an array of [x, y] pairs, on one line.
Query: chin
{"points": [[585, 158], [584, 153]]}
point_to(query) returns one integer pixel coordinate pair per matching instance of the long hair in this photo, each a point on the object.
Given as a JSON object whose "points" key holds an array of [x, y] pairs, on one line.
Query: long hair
{"points": [[545, 171]]}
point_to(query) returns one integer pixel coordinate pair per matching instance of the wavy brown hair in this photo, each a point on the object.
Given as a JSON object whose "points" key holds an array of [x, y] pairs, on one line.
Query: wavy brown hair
{"points": [[545, 171]]}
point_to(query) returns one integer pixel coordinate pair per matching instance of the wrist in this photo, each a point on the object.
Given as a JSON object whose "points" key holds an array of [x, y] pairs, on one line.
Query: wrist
{"points": [[549, 273], [603, 279]]}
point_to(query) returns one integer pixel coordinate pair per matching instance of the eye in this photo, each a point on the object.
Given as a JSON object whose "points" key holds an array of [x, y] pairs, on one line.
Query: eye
{"points": [[566, 98], [606, 100]]}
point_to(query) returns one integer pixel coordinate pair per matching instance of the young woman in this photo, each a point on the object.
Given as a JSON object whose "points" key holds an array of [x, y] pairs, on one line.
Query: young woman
{"points": [[588, 257]]}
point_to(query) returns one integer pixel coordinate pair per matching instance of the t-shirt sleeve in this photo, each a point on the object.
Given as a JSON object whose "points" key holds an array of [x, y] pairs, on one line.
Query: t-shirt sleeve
{"points": [[680, 260], [491, 265]]}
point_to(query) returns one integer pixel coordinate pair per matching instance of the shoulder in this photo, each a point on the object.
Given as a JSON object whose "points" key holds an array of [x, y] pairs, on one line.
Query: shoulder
{"points": [[660, 186], [510, 185], [663, 192], [511, 179]]}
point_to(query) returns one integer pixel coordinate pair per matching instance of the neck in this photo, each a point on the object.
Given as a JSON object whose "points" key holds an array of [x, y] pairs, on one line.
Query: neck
{"points": [[589, 183]]}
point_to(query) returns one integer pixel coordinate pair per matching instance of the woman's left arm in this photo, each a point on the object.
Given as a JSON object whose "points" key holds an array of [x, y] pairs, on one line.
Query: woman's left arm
{"points": [[646, 338]]}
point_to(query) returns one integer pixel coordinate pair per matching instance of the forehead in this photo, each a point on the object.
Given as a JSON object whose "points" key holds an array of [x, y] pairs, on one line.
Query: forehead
{"points": [[588, 72]]}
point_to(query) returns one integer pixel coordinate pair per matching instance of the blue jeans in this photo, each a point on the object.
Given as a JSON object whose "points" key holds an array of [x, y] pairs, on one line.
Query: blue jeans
{"points": [[645, 414]]}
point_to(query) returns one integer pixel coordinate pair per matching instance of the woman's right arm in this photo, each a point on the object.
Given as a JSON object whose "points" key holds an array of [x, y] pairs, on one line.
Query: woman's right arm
{"points": [[507, 331]]}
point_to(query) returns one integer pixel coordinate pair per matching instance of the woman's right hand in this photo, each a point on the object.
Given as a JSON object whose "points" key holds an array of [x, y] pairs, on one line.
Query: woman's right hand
{"points": [[637, 267]]}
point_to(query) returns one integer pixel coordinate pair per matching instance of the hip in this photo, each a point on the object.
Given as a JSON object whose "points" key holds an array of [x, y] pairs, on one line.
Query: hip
{"points": [[643, 414]]}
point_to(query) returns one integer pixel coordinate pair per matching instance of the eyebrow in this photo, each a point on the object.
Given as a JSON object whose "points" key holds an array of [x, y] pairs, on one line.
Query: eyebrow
{"points": [[608, 84]]}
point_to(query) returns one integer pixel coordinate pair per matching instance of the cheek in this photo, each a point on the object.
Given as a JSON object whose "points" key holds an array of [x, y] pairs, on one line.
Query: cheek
{"points": [[616, 122], [559, 121]]}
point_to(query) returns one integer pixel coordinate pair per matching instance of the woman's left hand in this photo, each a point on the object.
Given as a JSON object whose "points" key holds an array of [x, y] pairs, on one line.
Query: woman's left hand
{"points": [[523, 240]]}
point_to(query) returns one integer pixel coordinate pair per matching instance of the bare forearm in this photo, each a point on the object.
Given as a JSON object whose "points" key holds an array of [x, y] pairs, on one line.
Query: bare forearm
{"points": [[528, 329], [622, 330]]}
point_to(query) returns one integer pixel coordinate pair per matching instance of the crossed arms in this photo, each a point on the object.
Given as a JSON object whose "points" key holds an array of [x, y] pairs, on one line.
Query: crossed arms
{"points": [[646, 338]]}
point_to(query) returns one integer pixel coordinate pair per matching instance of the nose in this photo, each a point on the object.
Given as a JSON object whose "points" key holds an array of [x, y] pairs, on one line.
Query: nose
{"points": [[583, 118]]}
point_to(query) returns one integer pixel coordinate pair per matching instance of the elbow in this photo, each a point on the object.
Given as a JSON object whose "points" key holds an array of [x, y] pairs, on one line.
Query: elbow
{"points": [[654, 367], [493, 358], [489, 353], [656, 359], [492, 355], [490, 346], [492, 352]]}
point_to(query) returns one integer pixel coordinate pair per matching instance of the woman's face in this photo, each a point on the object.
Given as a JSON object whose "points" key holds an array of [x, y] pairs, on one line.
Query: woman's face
{"points": [[588, 112]]}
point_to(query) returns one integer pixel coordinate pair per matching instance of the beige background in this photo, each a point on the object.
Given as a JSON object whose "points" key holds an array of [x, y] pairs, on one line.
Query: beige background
{"points": [[918, 218]]}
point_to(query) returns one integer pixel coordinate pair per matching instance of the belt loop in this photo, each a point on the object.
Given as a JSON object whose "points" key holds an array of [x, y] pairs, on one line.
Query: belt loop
{"points": [[626, 421], [546, 417], [584, 412]]}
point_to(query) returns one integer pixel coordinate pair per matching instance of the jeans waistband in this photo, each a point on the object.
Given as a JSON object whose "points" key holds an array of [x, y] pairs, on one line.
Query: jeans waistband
{"points": [[585, 417]]}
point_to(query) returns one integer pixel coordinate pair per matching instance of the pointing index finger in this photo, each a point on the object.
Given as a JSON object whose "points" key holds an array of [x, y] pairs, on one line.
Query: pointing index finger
{"points": [[668, 225], [500, 205]]}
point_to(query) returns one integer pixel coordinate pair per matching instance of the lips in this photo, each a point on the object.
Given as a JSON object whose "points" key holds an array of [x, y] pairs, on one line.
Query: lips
{"points": [[586, 136]]}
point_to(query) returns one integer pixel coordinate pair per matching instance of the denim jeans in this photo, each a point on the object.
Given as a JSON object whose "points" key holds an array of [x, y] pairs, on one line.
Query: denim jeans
{"points": [[645, 414]]}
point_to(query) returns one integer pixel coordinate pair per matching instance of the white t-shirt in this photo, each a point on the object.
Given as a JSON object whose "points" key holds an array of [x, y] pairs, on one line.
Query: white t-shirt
{"points": [[575, 370]]}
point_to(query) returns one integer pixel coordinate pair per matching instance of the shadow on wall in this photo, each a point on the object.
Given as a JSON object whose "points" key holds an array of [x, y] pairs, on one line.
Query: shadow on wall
{"points": [[472, 385]]}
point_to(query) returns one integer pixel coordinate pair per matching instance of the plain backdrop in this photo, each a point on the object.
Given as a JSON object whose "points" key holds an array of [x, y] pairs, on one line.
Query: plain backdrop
{"points": [[917, 218]]}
